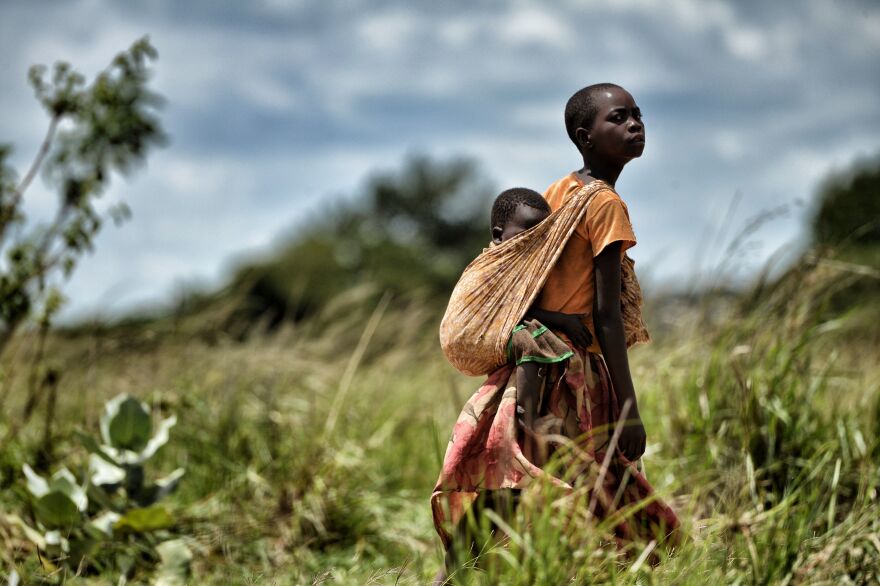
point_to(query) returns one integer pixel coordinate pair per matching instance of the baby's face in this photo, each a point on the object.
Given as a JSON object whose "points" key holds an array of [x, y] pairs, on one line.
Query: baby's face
{"points": [[523, 218]]}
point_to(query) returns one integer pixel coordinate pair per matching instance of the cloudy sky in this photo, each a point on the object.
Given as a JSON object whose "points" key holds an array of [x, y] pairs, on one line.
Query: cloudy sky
{"points": [[276, 106]]}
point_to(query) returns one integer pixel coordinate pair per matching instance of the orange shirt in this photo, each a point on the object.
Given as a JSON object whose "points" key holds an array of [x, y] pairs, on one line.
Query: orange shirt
{"points": [[570, 287]]}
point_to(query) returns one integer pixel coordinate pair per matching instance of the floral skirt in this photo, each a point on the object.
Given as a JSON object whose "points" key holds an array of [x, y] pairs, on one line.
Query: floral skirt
{"points": [[577, 412]]}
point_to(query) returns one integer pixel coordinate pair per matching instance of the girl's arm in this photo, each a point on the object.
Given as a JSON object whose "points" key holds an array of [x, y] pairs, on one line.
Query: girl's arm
{"points": [[568, 323], [612, 341]]}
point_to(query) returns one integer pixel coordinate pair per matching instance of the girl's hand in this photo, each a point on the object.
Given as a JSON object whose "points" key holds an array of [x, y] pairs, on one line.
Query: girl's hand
{"points": [[631, 442]]}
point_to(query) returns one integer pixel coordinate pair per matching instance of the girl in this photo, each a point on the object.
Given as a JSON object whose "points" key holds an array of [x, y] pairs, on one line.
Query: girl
{"points": [[484, 458]]}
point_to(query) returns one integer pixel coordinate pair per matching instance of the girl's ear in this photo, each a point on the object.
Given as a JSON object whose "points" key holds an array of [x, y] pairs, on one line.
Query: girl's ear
{"points": [[583, 137], [497, 231]]}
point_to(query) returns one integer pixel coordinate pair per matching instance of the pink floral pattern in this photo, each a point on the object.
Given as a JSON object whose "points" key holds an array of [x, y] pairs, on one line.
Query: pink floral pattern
{"points": [[486, 450]]}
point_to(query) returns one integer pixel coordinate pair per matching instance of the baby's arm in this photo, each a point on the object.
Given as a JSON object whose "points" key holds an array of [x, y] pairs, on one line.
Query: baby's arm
{"points": [[528, 386], [568, 323], [529, 378]]}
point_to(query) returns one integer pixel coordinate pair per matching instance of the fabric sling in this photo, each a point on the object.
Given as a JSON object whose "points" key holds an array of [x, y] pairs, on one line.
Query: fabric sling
{"points": [[496, 290]]}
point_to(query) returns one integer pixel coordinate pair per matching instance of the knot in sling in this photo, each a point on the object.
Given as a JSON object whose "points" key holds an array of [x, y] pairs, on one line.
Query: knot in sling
{"points": [[497, 289]]}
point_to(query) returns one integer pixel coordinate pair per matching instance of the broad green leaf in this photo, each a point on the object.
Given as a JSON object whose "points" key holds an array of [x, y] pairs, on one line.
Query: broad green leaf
{"points": [[121, 457], [56, 543], [175, 561], [146, 519], [36, 484], [103, 473], [162, 488], [56, 510], [63, 481], [111, 408], [105, 522], [169, 483], [130, 426], [93, 447], [100, 495], [160, 439]]}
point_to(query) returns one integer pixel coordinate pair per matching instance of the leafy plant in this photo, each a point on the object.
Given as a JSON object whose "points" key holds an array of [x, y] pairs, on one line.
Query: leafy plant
{"points": [[117, 465], [115, 506]]}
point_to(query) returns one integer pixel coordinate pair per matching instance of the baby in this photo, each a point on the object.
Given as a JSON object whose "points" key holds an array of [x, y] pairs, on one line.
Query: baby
{"points": [[532, 343]]}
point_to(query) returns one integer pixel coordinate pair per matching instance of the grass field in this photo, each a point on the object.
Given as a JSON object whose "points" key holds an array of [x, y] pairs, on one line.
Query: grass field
{"points": [[310, 454]]}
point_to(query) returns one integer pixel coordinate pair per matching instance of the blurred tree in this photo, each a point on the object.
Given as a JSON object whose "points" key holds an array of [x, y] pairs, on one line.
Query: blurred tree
{"points": [[411, 231], [846, 228], [93, 131], [848, 211], [432, 204]]}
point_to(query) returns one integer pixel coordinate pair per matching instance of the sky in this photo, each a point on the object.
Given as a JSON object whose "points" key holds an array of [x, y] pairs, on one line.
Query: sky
{"points": [[275, 107]]}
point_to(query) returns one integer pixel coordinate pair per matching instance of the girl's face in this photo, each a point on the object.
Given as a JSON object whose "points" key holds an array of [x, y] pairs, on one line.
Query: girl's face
{"points": [[618, 133]]}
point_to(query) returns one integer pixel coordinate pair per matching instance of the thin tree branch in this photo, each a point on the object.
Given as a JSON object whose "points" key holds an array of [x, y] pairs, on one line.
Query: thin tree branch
{"points": [[18, 194], [35, 166]]}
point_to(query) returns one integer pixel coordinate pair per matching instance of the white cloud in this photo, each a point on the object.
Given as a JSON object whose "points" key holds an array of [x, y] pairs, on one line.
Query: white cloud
{"points": [[536, 117], [527, 25], [458, 31], [871, 26], [729, 144], [748, 44], [388, 32], [797, 170]]}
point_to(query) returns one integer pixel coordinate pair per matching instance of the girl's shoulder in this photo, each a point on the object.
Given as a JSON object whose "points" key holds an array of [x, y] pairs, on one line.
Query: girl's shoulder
{"points": [[605, 195]]}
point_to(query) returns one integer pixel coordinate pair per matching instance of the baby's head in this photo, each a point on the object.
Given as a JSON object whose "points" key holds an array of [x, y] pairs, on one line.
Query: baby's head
{"points": [[516, 210]]}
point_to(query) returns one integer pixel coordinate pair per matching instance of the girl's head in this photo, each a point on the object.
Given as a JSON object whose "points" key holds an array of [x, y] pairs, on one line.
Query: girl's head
{"points": [[605, 123], [516, 210]]}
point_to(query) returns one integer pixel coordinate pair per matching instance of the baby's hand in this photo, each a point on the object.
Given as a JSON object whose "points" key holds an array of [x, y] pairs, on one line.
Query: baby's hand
{"points": [[572, 326]]}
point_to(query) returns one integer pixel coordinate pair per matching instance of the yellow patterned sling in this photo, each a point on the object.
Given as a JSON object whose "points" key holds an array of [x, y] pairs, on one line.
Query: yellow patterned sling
{"points": [[500, 285]]}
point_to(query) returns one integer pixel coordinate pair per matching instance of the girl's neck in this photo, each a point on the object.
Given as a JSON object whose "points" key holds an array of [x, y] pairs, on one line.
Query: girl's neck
{"points": [[597, 170]]}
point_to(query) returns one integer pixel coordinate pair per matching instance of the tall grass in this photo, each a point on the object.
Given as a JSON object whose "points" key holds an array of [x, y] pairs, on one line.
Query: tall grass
{"points": [[762, 433]]}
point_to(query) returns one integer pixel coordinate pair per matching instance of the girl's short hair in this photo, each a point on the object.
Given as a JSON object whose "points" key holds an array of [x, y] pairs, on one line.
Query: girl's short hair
{"points": [[581, 109]]}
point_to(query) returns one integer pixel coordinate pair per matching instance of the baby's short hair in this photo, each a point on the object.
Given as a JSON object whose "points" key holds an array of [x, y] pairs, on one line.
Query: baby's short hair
{"points": [[509, 199], [581, 109]]}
